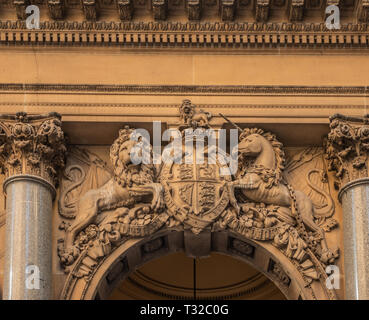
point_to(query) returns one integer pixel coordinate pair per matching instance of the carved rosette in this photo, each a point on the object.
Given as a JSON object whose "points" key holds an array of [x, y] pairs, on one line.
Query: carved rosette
{"points": [[347, 148], [32, 145]]}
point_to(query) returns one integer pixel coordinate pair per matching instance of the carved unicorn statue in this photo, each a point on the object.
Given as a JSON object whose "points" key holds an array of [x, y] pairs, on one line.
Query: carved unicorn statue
{"points": [[260, 179]]}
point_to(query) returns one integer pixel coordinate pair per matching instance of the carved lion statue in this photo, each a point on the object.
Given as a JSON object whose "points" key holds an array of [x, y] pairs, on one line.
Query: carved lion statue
{"points": [[130, 184], [189, 116]]}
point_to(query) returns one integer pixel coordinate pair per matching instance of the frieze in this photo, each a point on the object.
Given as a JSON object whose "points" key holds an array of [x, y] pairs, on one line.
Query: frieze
{"points": [[188, 90]]}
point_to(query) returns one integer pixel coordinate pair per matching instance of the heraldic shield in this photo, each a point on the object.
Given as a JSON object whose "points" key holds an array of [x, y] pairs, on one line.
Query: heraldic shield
{"points": [[195, 192]]}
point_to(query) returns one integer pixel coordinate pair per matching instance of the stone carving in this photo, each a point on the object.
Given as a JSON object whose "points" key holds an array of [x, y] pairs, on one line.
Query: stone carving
{"points": [[189, 117], [306, 171], [194, 8], [347, 148], [362, 10], [241, 36], [259, 202], [128, 186], [277, 271], [125, 9], [159, 9], [32, 145], [20, 7], [227, 9], [242, 247], [90, 9], [262, 10], [56, 9], [260, 179], [87, 172], [295, 10]]}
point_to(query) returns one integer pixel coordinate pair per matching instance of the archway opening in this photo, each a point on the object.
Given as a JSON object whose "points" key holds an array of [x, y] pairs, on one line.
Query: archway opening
{"points": [[178, 277], [93, 277]]}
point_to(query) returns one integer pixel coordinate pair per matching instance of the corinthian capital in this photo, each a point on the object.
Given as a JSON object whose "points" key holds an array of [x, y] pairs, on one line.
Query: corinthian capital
{"points": [[347, 148], [32, 145]]}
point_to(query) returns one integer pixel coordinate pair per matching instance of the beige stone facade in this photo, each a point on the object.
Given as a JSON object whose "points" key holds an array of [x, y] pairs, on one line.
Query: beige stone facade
{"points": [[104, 65]]}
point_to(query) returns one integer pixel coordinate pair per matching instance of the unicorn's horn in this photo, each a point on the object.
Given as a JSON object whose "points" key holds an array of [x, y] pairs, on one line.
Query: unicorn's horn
{"points": [[232, 123]]}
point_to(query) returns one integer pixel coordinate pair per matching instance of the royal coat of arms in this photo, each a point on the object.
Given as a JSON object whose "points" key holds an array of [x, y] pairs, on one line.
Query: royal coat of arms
{"points": [[195, 193], [195, 188]]}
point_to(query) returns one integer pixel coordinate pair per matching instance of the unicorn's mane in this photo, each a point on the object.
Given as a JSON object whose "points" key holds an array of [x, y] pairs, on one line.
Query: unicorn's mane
{"points": [[276, 145]]}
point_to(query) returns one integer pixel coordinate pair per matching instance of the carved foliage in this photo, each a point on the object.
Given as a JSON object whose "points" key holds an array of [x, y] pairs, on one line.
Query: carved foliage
{"points": [[347, 148], [197, 198], [32, 145]]}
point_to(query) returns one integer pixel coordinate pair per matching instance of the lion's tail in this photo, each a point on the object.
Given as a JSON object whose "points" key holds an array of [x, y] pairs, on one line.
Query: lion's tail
{"points": [[68, 210], [328, 209]]}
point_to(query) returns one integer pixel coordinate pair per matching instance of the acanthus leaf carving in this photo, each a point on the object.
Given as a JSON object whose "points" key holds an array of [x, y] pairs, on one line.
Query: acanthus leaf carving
{"points": [[32, 145], [347, 148]]}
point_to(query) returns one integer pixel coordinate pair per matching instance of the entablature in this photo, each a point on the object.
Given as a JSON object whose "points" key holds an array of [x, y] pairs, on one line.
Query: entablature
{"points": [[188, 10], [240, 24], [159, 35]]}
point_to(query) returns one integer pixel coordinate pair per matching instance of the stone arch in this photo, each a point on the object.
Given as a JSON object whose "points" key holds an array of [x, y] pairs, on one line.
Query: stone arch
{"points": [[103, 277]]}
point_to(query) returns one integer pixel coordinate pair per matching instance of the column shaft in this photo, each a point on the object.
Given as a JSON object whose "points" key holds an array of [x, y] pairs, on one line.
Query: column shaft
{"points": [[28, 247], [32, 151], [355, 204], [347, 152]]}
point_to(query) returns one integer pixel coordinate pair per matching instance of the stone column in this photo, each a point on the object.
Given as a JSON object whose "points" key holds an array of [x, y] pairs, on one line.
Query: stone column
{"points": [[32, 151], [347, 150]]}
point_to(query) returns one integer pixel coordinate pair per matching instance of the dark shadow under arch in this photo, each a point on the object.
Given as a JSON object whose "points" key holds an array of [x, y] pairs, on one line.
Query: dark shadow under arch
{"points": [[133, 253]]}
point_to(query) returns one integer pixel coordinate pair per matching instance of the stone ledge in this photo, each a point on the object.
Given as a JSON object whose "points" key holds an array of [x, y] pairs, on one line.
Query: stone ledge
{"points": [[186, 35]]}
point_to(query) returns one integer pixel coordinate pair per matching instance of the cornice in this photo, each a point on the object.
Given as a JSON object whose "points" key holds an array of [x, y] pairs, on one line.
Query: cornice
{"points": [[239, 90], [175, 106], [159, 35]]}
